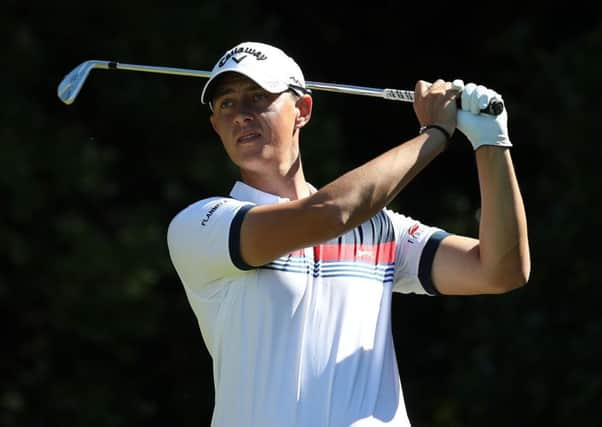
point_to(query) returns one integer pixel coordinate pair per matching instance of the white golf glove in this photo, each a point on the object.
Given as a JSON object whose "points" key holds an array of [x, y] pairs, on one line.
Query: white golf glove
{"points": [[479, 128]]}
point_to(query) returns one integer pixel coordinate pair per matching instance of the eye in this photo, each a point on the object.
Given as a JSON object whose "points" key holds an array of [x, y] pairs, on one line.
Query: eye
{"points": [[259, 96], [225, 103]]}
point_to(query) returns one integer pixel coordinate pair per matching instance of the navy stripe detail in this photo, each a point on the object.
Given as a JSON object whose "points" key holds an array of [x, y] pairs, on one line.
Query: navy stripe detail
{"points": [[384, 278], [234, 239], [426, 262], [382, 273], [378, 229]]}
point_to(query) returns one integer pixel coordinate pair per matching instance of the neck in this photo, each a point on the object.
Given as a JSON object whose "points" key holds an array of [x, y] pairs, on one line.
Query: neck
{"points": [[290, 184]]}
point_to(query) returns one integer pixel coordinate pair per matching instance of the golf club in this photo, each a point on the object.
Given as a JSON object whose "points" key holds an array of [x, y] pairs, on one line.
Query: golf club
{"points": [[73, 82]]}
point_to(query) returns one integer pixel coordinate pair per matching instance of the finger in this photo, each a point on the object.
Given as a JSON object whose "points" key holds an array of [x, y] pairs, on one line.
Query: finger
{"points": [[422, 88], [466, 96], [439, 85], [483, 97], [476, 99], [458, 85], [495, 96]]}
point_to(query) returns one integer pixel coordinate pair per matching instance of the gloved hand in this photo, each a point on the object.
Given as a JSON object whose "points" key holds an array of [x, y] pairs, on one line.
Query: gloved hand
{"points": [[479, 128]]}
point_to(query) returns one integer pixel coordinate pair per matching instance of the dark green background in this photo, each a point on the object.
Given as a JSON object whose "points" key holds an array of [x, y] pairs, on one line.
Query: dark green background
{"points": [[96, 327]]}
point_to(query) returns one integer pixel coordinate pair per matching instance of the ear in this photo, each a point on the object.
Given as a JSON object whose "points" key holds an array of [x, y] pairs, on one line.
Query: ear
{"points": [[304, 107], [212, 120]]}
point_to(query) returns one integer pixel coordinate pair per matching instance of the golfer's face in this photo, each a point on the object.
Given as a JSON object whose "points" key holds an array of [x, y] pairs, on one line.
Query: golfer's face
{"points": [[255, 126]]}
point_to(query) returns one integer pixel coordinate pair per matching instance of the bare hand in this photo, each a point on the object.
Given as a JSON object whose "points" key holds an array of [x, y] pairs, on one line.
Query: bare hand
{"points": [[434, 103]]}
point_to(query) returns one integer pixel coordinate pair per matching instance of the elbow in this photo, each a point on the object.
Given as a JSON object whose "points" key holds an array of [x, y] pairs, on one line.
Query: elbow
{"points": [[509, 279], [511, 283], [524, 273], [505, 286], [329, 220], [333, 215], [511, 271], [337, 220], [522, 270]]}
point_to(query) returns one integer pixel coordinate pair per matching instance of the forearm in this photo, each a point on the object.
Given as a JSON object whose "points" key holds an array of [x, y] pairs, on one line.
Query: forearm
{"points": [[270, 231], [361, 193], [503, 247]]}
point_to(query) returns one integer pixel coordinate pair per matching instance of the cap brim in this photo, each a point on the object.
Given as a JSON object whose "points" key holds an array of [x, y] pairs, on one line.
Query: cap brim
{"points": [[274, 87]]}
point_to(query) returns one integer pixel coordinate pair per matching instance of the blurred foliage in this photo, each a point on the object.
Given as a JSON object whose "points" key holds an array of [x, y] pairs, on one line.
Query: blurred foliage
{"points": [[97, 328]]}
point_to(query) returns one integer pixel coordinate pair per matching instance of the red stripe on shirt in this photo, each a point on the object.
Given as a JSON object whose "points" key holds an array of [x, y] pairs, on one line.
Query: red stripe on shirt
{"points": [[382, 253], [297, 253]]}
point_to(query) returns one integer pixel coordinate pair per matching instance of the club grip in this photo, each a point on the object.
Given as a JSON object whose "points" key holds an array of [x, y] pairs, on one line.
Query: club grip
{"points": [[494, 108]]}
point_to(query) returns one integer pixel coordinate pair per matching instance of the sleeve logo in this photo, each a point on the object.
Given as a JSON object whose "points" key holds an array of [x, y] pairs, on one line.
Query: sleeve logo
{"points": [[212, 211], [414, 233]]}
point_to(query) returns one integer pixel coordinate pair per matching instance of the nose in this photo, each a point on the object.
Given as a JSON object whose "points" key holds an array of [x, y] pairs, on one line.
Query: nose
{"points": [[243, 113]]}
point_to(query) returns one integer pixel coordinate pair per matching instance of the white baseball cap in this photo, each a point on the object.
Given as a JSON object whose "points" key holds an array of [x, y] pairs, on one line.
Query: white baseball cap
{"points": [[266, 65]]}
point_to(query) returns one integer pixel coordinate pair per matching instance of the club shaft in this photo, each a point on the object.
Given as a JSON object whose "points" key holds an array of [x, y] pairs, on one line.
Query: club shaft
{"points": [[72, 83], [328, 87], [158, 69]]}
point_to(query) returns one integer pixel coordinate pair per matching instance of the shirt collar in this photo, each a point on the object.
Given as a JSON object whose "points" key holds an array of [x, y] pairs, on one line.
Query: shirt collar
{"points": [[245, 192]]}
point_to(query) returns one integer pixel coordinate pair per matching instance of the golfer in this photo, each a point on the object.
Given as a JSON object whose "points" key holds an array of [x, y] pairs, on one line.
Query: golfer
{"points": [[292, 285]]}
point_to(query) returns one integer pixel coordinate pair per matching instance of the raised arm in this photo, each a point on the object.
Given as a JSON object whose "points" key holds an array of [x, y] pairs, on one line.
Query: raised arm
{"points": [[268, 232], [499, 260]]}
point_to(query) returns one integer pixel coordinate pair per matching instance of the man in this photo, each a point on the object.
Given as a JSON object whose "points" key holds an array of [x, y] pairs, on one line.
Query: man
{"points": [[292, 285]]}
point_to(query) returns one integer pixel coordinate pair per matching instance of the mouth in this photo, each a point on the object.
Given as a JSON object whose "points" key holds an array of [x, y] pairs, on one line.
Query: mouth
{"points": [[247, 137]]}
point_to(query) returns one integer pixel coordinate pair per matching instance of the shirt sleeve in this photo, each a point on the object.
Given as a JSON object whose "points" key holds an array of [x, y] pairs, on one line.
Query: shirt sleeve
{"points": [[416, 245], [203, 240]]}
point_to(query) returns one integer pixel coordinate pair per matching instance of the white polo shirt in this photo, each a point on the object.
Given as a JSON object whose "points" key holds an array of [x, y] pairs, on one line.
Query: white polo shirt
{"points": [[304, 341]]}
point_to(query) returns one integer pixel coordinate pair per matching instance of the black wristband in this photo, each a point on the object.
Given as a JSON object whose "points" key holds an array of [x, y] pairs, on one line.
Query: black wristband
{"points": [[441, 128]]}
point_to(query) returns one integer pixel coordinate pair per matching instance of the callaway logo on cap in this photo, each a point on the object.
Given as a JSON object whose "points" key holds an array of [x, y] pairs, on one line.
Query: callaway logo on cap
{"points": [[266, 65]]}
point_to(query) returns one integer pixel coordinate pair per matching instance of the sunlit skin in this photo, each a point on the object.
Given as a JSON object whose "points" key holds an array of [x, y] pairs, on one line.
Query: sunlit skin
{"points": [[260, 133]]}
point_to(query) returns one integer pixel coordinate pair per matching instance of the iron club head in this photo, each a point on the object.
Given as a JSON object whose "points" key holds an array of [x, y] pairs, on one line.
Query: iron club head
{"points": [[72, 83]]}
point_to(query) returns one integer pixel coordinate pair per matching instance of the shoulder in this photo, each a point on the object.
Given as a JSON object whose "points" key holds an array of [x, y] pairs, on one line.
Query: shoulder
{"points": [[201, 204], [204, 209], [198, 237], [212, 213]]}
